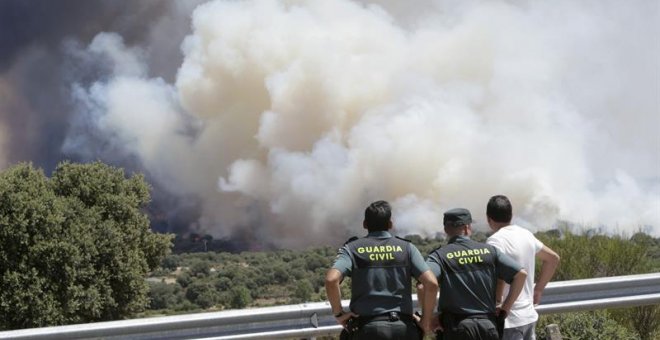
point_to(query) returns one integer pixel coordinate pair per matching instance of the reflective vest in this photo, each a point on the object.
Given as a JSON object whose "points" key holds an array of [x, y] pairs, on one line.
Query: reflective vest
{"points": [[381, 276]]}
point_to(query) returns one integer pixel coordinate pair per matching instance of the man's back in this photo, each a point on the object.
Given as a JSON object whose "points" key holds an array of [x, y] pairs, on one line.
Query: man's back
{"points": [[521, 245], [468, 270], [381, 272]]}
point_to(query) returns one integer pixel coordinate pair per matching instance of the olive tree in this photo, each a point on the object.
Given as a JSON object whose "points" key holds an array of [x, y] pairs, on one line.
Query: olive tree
{"points": [[75, 247]]}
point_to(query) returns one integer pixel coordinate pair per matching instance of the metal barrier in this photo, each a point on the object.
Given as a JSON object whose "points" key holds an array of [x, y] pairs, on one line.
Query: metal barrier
{"points": [[315, 319]]}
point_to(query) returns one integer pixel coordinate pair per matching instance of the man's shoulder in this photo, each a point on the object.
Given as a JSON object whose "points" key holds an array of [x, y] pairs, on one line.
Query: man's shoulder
{"points": [[497, 237], [477, 244], [511, 231], [520, 232], [351, 239]]}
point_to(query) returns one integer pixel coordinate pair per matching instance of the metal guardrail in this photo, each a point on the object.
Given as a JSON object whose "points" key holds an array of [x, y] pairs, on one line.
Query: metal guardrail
{"points": [[315, 319]]}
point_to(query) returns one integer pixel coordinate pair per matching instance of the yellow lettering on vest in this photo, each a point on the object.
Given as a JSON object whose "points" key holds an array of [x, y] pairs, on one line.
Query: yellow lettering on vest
{"points": [[398, 248], [360, 250], [450, 256], [470, 259], [381, 256]]}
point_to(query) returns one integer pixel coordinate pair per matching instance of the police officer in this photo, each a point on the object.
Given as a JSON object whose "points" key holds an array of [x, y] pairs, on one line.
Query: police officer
{"points": [[381, 267], [467, 272]]}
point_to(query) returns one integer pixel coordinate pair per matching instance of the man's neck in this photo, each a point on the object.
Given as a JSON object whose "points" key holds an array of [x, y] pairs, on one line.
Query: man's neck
{"points": [[498, 226]]}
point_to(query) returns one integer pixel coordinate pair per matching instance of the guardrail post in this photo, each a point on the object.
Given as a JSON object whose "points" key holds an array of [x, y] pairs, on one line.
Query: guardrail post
{"points": [[552, 332]]}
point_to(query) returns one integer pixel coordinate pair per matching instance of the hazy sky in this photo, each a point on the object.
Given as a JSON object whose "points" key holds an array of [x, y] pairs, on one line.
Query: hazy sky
{"points": [[281, 120]]}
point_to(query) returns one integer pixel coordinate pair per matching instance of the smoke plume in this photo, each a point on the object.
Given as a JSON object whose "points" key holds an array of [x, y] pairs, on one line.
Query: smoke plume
{"points": [[282, 120]]}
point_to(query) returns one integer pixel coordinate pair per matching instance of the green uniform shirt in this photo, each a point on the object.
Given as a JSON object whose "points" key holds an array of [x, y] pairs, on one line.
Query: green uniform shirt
{"points": [[381, 267], [467, 273]]}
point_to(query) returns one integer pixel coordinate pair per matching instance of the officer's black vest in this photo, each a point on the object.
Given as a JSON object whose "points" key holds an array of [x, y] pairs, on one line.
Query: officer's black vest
{"points": [[469, 273], [380, 276]]}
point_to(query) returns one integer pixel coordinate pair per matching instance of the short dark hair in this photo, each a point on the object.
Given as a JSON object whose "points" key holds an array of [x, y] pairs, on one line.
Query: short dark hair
{"points": [[377, 216], [499, 209]]}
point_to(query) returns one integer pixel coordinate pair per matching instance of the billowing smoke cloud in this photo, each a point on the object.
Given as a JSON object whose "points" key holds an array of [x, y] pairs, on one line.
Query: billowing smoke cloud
{"points": [[286, 118], [38, 63]]}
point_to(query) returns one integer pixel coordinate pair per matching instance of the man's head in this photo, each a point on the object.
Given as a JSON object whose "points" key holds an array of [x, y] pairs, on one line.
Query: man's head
{"points": [[377, 216], [499, 211], [458, 222]]}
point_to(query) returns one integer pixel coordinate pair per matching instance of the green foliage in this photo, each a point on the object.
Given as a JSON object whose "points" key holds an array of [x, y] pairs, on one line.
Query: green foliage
{"points": [[645, 320], [74, 248], [303, 291], [585, 326], [184, 280], [587, 256], [200, 268], [286, 277], [240, 297], [171, 262], [202, 293], [164, 296]]}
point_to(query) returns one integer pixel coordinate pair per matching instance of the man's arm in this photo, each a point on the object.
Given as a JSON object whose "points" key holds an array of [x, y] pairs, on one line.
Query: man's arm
{"points": [[515, 289], [499, 291], [332, 280], [549, 263], [427, 301]]}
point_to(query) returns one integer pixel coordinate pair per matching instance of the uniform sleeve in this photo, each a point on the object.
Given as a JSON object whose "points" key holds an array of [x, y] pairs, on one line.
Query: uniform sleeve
{"points": [[417, 261], [343, 261], [507, 267], [434, 264]]}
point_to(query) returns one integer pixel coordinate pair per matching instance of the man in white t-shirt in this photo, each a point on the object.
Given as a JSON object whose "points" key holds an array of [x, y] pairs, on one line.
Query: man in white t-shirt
{"points": [[523, 247]]}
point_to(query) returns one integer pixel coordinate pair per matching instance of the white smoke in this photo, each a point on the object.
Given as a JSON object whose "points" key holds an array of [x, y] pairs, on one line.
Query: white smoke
{"points": [[303, 112], [5, 97]]}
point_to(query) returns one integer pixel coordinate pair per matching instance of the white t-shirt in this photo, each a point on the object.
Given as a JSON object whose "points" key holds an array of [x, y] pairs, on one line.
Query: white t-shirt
{"points": [[522, 246]]}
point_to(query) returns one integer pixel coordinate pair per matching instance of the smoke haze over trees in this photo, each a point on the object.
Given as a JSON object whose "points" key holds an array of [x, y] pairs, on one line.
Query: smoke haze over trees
{"points": [[271, 120]]}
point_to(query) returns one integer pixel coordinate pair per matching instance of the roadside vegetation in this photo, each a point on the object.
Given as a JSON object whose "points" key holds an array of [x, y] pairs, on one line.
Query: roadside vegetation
{"points": [[207, 281]]}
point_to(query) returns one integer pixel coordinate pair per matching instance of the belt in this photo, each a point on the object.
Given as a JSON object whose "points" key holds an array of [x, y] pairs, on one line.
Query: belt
{"points": [[456, 318], [391, 317]]}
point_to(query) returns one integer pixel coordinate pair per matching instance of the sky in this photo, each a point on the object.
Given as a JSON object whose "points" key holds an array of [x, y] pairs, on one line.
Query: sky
{"points": [[279, 121]]}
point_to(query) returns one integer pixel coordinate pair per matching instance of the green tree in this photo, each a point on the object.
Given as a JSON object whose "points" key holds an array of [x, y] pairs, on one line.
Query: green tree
{"points": [[303, 291], [202, 294], [163, 295], [170, 262], [76, 247], [240, 297], [200, 268]]}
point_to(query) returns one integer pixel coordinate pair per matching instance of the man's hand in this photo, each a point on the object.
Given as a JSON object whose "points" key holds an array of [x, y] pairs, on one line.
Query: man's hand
{"points": [[343, 319], [501, 313], [538, 293], [427, 324]]}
